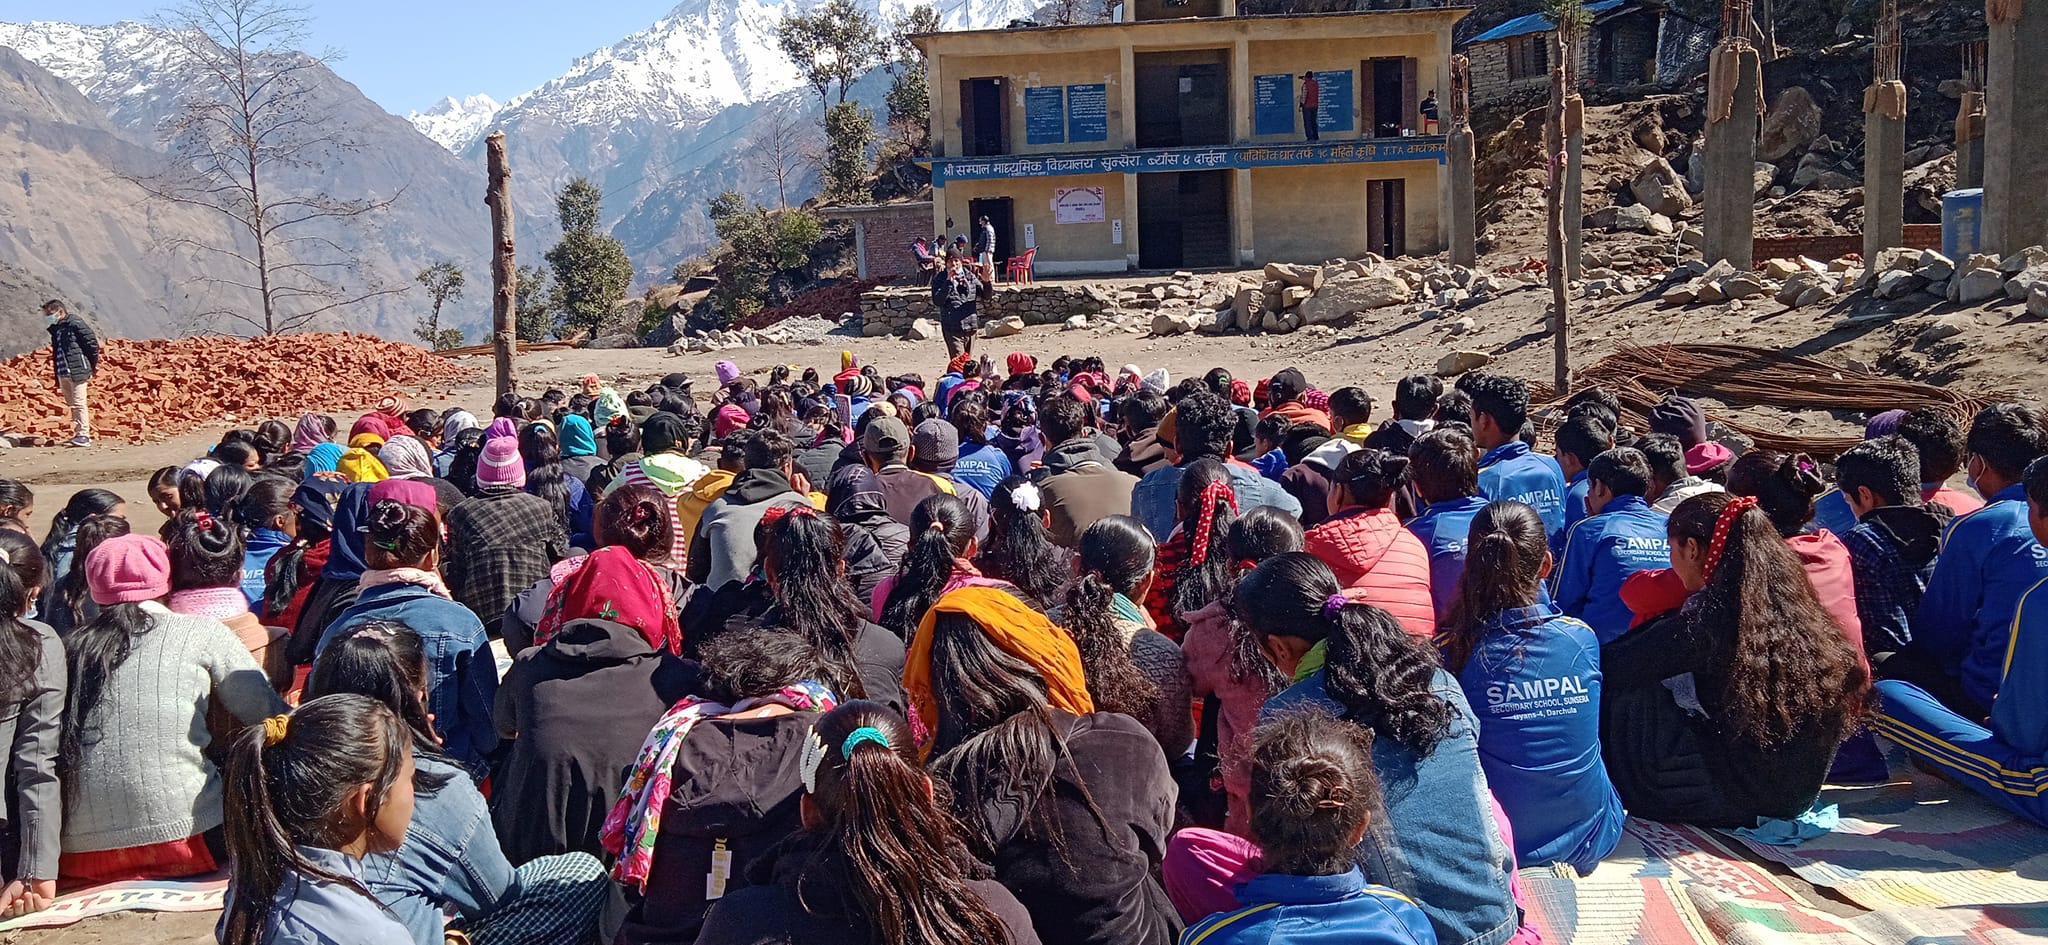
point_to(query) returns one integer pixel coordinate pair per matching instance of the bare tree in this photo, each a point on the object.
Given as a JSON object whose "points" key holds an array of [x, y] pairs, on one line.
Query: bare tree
{"points": [[780, 153], [248, 131]]}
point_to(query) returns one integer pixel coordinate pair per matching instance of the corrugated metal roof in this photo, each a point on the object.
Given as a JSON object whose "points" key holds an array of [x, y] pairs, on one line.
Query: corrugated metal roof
{"points": [[1538, 23]]}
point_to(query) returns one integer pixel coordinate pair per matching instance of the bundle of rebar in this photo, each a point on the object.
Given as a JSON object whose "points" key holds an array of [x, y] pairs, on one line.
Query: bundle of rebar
{"points": [[1743, 376]]}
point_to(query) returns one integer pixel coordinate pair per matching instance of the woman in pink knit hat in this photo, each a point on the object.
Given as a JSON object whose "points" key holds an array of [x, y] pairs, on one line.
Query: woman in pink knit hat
{"points": [[142, 800]]}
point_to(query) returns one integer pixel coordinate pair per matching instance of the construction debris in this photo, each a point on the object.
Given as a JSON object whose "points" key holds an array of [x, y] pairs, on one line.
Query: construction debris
{"points": [[147, 391]]}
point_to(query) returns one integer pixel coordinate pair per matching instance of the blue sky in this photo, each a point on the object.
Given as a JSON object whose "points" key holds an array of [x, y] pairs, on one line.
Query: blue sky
{"points": [[409, 55]]}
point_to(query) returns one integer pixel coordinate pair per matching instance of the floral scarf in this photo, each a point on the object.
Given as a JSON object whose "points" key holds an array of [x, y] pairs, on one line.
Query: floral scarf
{"points": [[634, 824]]}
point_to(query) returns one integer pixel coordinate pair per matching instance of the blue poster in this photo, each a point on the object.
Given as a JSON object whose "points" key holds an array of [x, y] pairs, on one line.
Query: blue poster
{"points": [[1088, 112], [1045, 119], [1333, 106], [1273, 104]]}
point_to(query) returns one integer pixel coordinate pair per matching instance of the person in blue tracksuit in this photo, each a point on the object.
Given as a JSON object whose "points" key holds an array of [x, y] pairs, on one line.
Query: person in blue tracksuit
{"points": [[2008, 760], [1509, 470], [1442, 466], [1532, 675], [1621, 536], [1313, 790], [1988, 559], [1579, 439]]}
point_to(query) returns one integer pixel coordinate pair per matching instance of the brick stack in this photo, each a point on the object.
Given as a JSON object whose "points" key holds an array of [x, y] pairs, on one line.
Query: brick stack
{"points": [[152, 390]]}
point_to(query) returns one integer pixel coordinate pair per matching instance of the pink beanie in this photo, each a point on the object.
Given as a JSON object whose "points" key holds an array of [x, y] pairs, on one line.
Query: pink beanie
{"points": [[728, 418], [501, 465], [411, 492], [128, 570]]}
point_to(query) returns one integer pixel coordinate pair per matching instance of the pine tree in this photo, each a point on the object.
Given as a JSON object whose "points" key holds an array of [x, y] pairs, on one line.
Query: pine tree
{"points": [[591, 269]]}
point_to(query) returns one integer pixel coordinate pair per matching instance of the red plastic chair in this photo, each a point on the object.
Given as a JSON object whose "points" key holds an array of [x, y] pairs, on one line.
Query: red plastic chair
{"points": [[1018, 269]]}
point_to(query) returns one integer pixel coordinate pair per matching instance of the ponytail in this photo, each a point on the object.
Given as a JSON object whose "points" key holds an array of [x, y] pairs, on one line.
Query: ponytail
{"points": [[72, 594], [895, 849], [939, 533], [1116, 553], [1210, 508], [21, 648], [287, 781], [1020, 549], [1503, 560], [805, 556]]}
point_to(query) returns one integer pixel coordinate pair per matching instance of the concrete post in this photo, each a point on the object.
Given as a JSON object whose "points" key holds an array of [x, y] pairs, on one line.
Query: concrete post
{"points": [[1242, 217], [1970, 141], [1463, 228], [1884, 183], [2015, 111], [1131, 221], [1730, 192]]}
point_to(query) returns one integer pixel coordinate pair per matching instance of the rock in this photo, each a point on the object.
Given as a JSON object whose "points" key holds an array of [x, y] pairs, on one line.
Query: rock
{"points": [[1790, 125], [1692, 236], [2018, 287], [1631, 218], [1721, 269], [1460, 326], [1979, 285], [1763, 176], [1950, 89], [1798, 284], [1215, 321], [1280, 323], [1598, 288], [1660, 225], [1075, 322], [1809, 170], [1173, 322], [1709, 292], [1294, 295], [1898, 283], [1338, 300], [2024, 260], [1308, 277], [1780, 268], [1684, 293], [1460, 362], [1930, 257], [1248, 307], [1947, 326], [922, 329], [2037, 300], [1744, 286], [1934, 267], [1003, 327], [1813, 296], [1658, 187]]}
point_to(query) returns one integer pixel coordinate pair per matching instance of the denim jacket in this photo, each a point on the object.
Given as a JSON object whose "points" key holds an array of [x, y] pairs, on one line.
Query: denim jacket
{"points": [[1152, 499], [450, 858], [1438, 844], [462, 676]]}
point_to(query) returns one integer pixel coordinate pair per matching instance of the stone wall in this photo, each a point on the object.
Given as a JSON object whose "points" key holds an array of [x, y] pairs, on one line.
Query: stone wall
{"points": [[889, 310]]}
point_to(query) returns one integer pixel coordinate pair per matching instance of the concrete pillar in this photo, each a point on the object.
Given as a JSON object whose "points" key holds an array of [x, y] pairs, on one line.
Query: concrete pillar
{"points": [[1730, 192], [1127, 95], [944, 106], [2015, 112], [1884, 183], [1461, 230], [1241, 91], [1241, 216], [1131, 218], [1970, 141]]}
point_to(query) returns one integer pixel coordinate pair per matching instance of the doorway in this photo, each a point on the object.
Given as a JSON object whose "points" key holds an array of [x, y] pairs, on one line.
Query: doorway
{"points": [[1386, 217], [999, 212], [984, 117], [1184, 220], [1183, 98], [1390, 102]]}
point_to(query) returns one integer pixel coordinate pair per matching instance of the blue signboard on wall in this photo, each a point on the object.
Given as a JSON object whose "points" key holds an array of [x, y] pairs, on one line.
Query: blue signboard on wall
{"points": [[1045, 117], [1273, 107], [1333, 107], [1158, 160], [1088, 112]]}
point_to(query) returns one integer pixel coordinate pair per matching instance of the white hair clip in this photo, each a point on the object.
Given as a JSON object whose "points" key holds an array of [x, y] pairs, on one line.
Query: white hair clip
{"points": [[1025, 497], [813, 757], [5, 559]]}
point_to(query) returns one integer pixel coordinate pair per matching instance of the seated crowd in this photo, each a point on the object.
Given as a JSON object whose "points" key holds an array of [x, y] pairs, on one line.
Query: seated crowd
{"points": [[1047, 656]]}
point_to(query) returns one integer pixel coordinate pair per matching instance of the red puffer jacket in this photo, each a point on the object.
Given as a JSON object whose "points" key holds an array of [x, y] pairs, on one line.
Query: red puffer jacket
{"points": [[1379, 563], [1826, 561]]}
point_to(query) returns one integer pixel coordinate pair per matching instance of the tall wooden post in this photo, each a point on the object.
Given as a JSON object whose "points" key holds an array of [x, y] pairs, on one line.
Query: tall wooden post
{"points": [[1554, 188], [504, 276]]}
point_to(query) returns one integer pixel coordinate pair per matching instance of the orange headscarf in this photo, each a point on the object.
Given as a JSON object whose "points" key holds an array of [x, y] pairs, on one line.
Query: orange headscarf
{"points": [[1016, 628]]}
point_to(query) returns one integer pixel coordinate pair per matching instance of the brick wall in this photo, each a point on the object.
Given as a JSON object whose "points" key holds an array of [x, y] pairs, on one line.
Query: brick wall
{"points": [[1634, 38], [886, 235], [1824, 248]]}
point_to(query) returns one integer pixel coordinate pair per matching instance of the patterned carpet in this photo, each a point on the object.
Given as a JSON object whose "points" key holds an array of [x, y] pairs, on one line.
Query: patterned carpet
{"points": [[198, 894]]}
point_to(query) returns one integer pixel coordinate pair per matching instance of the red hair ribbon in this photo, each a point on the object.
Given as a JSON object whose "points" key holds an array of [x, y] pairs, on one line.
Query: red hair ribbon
{"points": [[203, 519], [1723, 523], [1214, 492]]}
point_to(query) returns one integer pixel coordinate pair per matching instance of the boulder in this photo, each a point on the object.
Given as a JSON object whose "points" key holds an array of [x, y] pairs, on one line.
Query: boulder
{"points": [[1744, 286], [1308, 277], [1809, 170], [1173, 322], [2029, 258], [1248, 307], [2017, 288], [1935, 261], [1280, 323], [1461, 362], [1660, 188], [1076, 322], [1295, 295], [1813, 296], [1763, 176], [1799, 284], [922, 329], [1215, 321], [1978, 285], [1659, 225], [1630, 218], [1780, 268], [1683, 293], [1338, 300], [1003, 327], [1898, 283], [1709, 292], [2037, 300], [1789, 126]]}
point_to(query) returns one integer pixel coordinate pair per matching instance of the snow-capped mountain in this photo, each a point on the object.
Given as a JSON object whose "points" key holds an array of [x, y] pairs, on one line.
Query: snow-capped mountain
{"points": [[455, 122], [118, 66]]}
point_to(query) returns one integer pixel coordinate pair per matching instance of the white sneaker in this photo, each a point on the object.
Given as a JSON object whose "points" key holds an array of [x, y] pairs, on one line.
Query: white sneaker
{"points": [[80, 441]]}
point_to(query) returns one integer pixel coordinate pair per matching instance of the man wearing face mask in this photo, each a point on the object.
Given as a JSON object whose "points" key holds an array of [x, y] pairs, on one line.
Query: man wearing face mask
{"points": [[75, 352]]}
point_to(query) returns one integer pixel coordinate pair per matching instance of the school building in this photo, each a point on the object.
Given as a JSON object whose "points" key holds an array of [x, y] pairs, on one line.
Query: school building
{"points": [[1177, 139]]}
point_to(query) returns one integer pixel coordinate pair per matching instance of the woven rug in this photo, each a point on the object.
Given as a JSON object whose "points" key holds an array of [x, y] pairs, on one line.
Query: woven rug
{"points": [[196, 894], [1919, 842]]}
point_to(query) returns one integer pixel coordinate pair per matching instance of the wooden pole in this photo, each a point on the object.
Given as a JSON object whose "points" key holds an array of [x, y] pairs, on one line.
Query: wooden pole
{"points": [[504, 276], [1554, 187]]}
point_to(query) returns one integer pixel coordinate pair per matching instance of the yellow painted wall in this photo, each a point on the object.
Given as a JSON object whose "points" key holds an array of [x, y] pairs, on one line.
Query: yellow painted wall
{"points": [[1031, 202], [1295, 56], [1317, 213], [1030, 71]]}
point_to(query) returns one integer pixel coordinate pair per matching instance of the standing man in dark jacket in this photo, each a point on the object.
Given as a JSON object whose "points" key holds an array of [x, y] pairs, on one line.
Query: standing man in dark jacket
{"points": [[953, 290], [75, 352]]}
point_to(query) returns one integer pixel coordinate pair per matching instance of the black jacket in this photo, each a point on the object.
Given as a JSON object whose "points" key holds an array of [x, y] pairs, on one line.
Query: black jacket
{"points": [[577, 709], [74, 348], [953, 295], [736, 784], [795, 893], [877, 653], [1100, 890]]}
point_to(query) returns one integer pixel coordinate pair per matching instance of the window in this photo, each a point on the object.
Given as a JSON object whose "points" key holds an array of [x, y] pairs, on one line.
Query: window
{"points": [[1529, 56]]}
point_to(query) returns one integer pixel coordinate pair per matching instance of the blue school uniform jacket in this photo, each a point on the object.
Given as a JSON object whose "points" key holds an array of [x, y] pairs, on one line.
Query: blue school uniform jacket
{"points": [[1443, 528], [264, 544], [1314, 910], [1511, 471], [1575, 490], [1602, 551], [1988, 559], [1534, 681], [2020, 716]]}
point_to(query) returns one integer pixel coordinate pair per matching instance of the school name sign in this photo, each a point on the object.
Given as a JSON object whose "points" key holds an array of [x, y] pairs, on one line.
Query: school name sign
{"points": [[1161, 160]]}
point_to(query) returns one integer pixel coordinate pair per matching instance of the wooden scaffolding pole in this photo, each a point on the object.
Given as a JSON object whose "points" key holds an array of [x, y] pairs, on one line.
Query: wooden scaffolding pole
{"points": [[504, 275]]}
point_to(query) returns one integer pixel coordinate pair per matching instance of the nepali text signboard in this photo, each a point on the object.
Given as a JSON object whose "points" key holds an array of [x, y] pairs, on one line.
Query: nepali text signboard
{"points": [[1372, 150], [1273, 107], [1045, 118], [1079, 205], [1087, 113], [1333, 101]]}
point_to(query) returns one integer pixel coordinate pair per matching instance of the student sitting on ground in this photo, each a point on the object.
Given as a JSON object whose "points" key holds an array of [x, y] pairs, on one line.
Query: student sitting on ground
{"points": [[1532, 675], [1509, 469], [1132, 668], [2007, 760], [1313, 795], [1894, 542], [1784, 488], [1443, 467], [1364, 544], [1580, 439], [1621, 535], [32, 687]]}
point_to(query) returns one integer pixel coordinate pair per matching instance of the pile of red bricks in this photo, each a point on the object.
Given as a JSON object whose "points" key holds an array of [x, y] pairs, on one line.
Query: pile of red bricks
{"points": [[830, 302], [152, 390]]}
